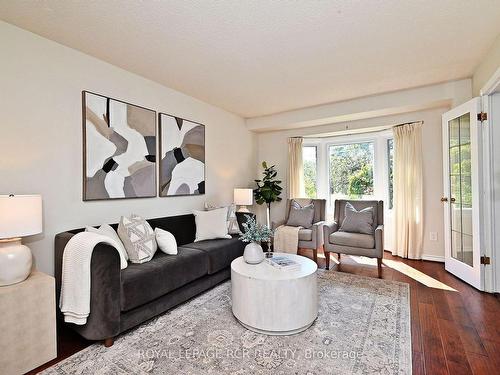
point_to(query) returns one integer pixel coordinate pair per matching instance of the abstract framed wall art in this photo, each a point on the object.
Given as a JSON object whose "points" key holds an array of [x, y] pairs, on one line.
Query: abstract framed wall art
{"points": [[182, 156], [119, 149]]}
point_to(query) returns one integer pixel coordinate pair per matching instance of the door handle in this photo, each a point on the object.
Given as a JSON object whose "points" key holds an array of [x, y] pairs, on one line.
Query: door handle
{"points": [[444, 199]]}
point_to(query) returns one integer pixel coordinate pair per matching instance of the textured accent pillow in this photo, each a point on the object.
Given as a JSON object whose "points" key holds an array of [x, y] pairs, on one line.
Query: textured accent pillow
{"points": [[300, 216], [166, 241], [357, 221], [138, 238], [211, 224], [108, 231]]}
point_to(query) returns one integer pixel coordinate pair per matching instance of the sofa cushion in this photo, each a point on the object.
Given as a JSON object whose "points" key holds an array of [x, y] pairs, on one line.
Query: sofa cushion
{"points": [[352, 239], [221, 252], [183, 227], [305, 235], [142, 283]]}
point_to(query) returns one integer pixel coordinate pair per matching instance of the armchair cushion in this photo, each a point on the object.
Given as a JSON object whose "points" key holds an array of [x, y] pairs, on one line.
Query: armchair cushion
{"points": [[357, 221], [365, 241], [300, 216], [305, 234]]}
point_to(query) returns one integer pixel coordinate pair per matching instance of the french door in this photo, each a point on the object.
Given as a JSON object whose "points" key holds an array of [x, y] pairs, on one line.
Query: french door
{"points": [[462, 192]]}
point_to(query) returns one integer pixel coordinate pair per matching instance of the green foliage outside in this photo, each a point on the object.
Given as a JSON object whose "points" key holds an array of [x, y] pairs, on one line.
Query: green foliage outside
{"points": [[361, 181], [351, 169], [460, 174], [310, 178]]}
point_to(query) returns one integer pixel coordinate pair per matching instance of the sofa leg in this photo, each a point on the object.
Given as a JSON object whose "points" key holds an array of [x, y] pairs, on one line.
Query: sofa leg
{"points": [[379, 267], [315, 255], [109, 342], [327, 259], [338, 256]]}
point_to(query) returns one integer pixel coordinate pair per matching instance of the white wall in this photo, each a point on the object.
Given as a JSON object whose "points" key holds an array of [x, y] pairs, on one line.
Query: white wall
{"points": [[273, 148], [41, 135], [489, 64]]}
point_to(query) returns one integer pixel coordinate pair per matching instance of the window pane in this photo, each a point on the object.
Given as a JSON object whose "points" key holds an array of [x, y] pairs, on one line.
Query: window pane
{"points": [[351, 171], [309, 159], [390, 158]]}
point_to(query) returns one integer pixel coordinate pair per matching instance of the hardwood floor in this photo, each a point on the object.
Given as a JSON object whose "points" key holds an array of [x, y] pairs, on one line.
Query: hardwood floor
{"points": [[455, 328]]}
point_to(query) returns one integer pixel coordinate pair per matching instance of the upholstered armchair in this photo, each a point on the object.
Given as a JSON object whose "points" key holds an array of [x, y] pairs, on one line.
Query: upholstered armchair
{"points": [[309, 238], [368, 245]]}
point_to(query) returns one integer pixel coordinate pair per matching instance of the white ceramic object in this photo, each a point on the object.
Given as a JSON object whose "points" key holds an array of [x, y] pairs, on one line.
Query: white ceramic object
{"points": [[253, 253], [15, 261], [273, 301]]}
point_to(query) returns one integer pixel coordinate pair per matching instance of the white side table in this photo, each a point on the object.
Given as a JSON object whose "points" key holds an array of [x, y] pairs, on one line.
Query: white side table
{"points": [[273, 301], [27, 324]]}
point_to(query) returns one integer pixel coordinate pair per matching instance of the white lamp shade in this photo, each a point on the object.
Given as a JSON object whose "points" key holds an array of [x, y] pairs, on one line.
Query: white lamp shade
{"points": [[243, 197], [20, 215]]}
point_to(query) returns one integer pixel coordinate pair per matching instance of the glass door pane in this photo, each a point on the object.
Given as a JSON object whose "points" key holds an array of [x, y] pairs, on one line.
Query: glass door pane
{"points": [[460, 189]]}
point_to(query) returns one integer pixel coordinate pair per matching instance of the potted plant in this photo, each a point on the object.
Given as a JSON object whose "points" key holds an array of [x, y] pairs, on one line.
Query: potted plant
{"points": [[254, 233], [268, 190]]}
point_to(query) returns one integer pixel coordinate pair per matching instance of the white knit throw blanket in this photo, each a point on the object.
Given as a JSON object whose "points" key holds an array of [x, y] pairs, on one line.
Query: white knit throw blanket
{"points": [[75, 281], [286, 239]]}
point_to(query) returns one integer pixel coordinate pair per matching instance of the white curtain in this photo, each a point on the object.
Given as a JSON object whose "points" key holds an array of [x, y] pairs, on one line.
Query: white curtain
{"points": [[408, 191], [295, 169]]}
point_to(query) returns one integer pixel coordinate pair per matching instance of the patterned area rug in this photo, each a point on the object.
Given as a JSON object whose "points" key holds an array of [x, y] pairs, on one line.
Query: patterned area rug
{"points": [[363, 327]]}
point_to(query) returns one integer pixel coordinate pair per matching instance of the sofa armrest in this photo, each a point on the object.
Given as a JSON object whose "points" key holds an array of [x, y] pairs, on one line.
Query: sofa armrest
{"points": [[379, 241], [276, 224], [105, 290]]}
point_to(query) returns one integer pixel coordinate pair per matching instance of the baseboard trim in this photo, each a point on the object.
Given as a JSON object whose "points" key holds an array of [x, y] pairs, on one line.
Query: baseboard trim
{"points": [[433, 258]]}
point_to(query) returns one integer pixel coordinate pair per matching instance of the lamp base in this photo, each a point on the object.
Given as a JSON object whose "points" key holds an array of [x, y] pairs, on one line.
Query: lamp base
{"points": [[244, 209], [15, 261]]}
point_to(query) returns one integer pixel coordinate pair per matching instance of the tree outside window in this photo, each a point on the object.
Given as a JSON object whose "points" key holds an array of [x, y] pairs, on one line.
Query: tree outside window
{"points": [[351, 170], [309, 157]]}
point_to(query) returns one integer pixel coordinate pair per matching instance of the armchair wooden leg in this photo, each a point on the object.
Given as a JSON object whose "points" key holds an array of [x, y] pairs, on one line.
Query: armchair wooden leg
{"points": [[379, 267], [327, 259], [315, 255], [109, 342]]}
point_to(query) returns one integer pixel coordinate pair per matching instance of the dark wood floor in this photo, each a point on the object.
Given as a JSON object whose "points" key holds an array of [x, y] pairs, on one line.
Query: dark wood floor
{"points": [[455, 328]]}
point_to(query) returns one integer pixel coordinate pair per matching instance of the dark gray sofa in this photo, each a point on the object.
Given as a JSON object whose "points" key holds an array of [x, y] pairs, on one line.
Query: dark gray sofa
{"points": [[122, 299]]}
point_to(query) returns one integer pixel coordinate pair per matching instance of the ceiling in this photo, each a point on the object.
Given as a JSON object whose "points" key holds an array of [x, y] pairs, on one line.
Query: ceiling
{"points": [[262, 57]]}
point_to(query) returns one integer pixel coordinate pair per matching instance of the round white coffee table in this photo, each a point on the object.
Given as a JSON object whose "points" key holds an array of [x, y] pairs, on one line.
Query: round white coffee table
{"points": [[274, 301]]}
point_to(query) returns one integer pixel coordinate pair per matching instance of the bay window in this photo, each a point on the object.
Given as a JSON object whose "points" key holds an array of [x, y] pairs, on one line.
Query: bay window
{"points": [[357, 166]]}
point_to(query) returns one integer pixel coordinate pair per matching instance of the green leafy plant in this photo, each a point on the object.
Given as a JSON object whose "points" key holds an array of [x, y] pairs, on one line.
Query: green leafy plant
{"points": [[268, 188], [361, 181], [255, 232]]}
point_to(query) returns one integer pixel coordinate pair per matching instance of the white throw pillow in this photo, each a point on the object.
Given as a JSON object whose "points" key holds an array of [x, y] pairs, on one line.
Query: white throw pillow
{"points": [[231, 216], [108, 231], [166, 241], [211, 224], [138, 238]]}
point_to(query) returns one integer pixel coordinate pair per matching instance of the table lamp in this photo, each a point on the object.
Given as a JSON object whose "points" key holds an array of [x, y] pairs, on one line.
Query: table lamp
{"points": [[20, 216], [243, 198]]}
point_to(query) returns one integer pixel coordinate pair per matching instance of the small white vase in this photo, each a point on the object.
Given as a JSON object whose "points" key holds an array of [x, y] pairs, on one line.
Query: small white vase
{"points": [[253, 253]]}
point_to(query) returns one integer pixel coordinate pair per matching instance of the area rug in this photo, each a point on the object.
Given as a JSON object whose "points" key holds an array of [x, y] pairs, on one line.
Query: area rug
{"points": [[363, 327]]}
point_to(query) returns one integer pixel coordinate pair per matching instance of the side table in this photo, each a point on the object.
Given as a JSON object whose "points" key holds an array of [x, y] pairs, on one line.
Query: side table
{"points": [[27, 324]]}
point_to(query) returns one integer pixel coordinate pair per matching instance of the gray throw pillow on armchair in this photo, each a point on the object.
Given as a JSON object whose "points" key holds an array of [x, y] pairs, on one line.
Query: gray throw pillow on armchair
{"points": [[357, 221], [300, 216]]}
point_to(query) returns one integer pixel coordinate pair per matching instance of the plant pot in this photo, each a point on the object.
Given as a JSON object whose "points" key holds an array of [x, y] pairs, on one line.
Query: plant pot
{"points": [[253, 253]]}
